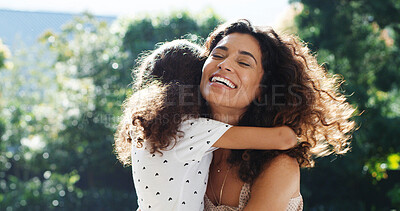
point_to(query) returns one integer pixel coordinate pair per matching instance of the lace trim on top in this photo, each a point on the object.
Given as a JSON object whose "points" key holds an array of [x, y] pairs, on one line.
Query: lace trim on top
{"points": [[295, 204]]}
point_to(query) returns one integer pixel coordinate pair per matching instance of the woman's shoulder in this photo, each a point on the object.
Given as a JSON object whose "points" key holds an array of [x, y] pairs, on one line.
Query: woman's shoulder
{"points": [[281, 175], [281, 168], [283, 161], [277, 184]]}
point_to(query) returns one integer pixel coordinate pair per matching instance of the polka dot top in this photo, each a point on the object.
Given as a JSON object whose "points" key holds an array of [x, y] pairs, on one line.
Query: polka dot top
{"points": [[177, 180]]}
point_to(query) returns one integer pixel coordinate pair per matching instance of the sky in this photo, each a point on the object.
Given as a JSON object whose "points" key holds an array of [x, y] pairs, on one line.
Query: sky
{"points": [[259, 12]]}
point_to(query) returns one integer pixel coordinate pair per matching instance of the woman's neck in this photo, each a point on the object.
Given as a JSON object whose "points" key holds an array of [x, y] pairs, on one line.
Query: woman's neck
{"points": [[226, 115]]}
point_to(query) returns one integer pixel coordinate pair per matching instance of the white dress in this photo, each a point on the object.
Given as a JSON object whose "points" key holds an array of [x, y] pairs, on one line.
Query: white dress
{"points": [[177, 180]]}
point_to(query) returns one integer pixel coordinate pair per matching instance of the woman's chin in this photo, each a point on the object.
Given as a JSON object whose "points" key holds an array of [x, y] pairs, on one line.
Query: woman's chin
{"points": [[224, 102], [225, 97]]}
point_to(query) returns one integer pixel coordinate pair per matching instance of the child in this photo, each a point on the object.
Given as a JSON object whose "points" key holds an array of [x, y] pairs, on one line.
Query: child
{"points": [[172, 144]]}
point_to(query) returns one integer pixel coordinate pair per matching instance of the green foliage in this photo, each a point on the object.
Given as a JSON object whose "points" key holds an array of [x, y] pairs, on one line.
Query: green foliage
{"points": [[4, 54], [59, 107], [394, 194], [359, 40]]}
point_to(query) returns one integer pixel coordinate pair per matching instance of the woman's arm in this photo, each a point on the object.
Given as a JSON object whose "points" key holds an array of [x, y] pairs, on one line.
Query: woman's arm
{"points": [[277, 184], [238, 137]]}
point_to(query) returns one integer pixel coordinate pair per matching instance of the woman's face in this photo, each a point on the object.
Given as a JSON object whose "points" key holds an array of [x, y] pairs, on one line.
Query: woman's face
{"points": [[232, 73]]}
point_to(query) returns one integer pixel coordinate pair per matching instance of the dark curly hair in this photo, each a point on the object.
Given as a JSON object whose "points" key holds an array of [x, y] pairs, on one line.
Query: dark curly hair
{"points": [[166, 93], [295, 91]]}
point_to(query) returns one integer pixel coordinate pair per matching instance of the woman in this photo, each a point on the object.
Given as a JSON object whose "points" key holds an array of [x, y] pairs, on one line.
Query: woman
{"points": [[168, 144], [273, 81]]}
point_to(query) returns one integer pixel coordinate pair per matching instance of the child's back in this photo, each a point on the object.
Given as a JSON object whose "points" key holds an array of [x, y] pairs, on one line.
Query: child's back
{"points": [[177, 178]]}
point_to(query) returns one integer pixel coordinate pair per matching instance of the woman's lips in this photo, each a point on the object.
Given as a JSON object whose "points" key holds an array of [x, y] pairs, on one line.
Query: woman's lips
{"points": [[222, 80]]}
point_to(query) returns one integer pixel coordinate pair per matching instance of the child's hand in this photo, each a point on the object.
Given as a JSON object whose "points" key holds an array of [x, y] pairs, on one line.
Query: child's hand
{"points": [[290, 138]]}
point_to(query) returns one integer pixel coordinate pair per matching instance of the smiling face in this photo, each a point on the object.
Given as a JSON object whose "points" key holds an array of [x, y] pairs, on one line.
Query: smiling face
{"points": [[232, 73]]}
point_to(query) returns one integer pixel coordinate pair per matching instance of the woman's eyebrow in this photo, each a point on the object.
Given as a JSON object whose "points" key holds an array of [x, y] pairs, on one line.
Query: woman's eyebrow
{"points": [[221, 47], [224, 48], [248, 54]]}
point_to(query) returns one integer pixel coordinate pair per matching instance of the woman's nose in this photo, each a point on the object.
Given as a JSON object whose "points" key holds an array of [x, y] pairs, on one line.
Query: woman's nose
{"points": [[225, 65]]}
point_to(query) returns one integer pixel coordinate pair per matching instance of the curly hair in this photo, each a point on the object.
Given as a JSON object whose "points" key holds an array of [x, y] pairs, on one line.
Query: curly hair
{"points": [[166, 94], [295, 91]]}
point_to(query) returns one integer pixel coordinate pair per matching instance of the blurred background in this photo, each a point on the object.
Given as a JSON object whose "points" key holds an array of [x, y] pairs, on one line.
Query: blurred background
{"points": [[65, 71]]}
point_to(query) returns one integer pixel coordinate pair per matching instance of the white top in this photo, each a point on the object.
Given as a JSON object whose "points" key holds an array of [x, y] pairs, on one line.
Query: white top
{"points": [[177, 180]]}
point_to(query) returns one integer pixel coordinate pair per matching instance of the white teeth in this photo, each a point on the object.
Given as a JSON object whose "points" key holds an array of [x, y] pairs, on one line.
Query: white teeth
{"points": [[223, 80]]}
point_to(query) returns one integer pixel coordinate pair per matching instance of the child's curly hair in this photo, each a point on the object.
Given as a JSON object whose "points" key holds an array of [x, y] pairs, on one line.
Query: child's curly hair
{"points": [[167, 93]]}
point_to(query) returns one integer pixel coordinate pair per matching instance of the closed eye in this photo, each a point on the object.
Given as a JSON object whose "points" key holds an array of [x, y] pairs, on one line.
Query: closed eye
{"points": [[216, 56], [245, 64]]}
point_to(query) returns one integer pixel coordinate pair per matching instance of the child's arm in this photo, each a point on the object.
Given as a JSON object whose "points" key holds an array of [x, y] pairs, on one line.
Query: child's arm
{"points": [[238, 137]]}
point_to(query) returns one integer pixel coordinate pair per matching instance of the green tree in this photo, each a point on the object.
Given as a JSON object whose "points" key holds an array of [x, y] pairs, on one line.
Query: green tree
{"points": [[359, 40]]}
